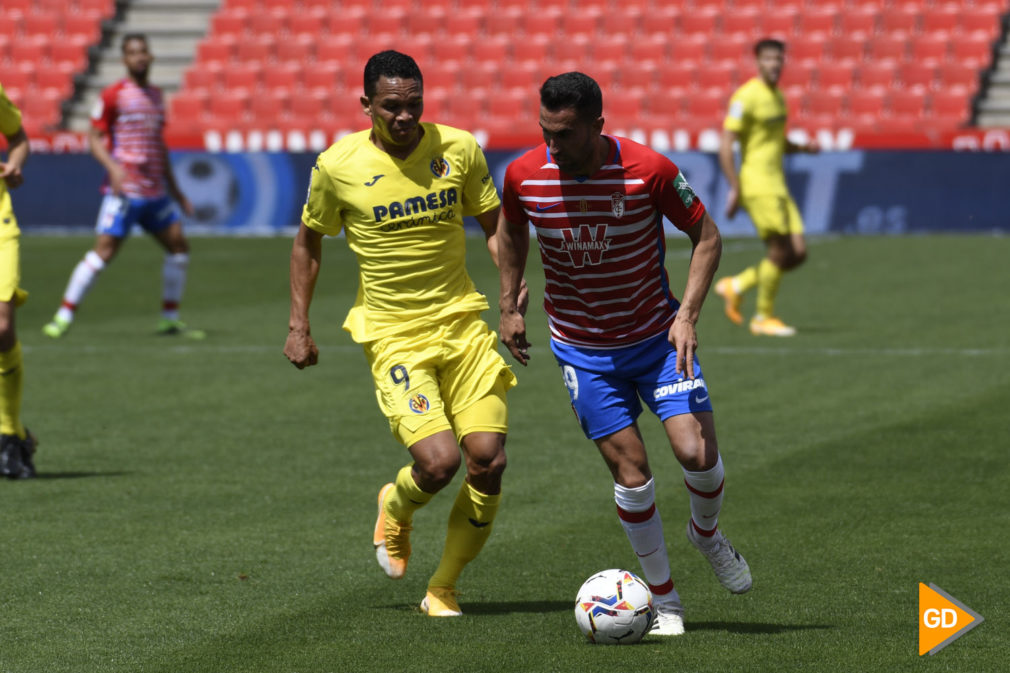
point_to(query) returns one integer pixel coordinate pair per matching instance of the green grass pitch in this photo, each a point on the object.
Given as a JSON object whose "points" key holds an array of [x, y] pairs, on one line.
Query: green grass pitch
{"points": [[205, 507]]}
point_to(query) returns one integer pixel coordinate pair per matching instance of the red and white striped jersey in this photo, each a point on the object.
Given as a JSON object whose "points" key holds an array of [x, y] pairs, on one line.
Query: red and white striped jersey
{"points": [[601, 240], [133, 117]]}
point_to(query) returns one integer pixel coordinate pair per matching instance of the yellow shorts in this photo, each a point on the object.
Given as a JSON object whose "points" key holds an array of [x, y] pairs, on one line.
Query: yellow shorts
{"points": [[447, 376], [10, 271], [773, 215]]}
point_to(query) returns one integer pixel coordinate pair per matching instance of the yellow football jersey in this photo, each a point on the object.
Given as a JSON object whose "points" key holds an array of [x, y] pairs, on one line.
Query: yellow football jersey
{"points": [[404, 221], [757, 113], [10, 122]]}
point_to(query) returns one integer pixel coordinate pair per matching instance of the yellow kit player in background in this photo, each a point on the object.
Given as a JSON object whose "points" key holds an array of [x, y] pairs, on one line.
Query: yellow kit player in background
{"points": [[16, 444], [757, 119], [399, 192]]}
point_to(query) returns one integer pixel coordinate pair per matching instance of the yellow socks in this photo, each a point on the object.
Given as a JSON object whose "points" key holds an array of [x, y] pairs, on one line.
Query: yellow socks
{"points": [[769, 277], [406, 498], [470, 523], [745, 280], [10, 392]]}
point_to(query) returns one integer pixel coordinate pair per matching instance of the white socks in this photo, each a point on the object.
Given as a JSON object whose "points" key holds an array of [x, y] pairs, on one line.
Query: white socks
{"points": [[81, 280], [705, 489], [636, 508], [173, 277]]}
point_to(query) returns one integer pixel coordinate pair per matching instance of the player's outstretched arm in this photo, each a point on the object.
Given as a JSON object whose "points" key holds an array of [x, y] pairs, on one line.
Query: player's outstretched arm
{"points": [[17, 155], [489, 223], [707, 244], [728, 165], [173, 186], [513, 242], [98, 144], [306, 257]]}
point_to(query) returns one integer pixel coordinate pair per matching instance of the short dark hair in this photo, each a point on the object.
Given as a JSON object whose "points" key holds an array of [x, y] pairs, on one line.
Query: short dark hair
{"points": [[390, 64], [573, 90], [769, 43], [130, 37]]}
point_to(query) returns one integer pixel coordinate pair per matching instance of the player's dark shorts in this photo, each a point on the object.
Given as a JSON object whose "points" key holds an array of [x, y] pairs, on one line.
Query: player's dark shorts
{"points": [[118, 214], [606, 386]]}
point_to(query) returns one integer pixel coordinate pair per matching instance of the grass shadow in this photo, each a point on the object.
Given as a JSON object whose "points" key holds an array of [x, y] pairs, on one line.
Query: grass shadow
{"points": [[752, 627], [78, 475]]}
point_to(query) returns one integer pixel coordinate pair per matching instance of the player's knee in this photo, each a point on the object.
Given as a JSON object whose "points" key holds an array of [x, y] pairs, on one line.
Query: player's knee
{"points": [[489, 467], [7, 335], [437, 470]]}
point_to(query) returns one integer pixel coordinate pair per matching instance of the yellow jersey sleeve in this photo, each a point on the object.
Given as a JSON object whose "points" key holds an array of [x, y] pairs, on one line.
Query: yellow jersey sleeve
{"points": [[322, 207], [737, 112], [10, 115], [479, 193]]}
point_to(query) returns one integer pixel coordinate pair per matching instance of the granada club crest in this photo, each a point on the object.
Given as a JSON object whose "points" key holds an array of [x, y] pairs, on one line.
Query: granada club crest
{"points": [[440, 167], [617, 204], [419, 403]]}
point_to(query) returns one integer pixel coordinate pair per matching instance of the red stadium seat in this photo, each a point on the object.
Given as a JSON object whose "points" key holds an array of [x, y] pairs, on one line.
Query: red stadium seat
{"points": [[199, 77], [307, 107], [806, 48], [68, 53], [743, 21], [496, 50], [16, 78], [229, 23], [335, 50], [639, 75], [267, 23], [888, 48], [857, 22], [930, 49], [627, 22], [24, 51], [978, 21], [950, 106], [539, 23], [780, 25], [916, 75], [851, 49], [102, 8], [580, 23], [797, 74], [215, 50], [835, 76], [719, 78], [187, 108], [526, 77], [734, 49], [259, 49], [296, 49], [822, 104], [699, 22], [267, 108], [241, 77], [688, 49], [877, 75], [649, 49], [906, 103], [867, 104], [45, 25], [683, 76], [958, 75], [939, 20], [900, 20], [972, 51], [281, 79], [322, 81], [817, 22], [706, 106]]}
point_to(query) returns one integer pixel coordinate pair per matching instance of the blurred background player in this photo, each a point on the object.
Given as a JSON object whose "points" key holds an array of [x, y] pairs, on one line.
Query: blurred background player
{"points": [[126, 138], [757, 119], [399, 191], [16, 444], [617, 331]]}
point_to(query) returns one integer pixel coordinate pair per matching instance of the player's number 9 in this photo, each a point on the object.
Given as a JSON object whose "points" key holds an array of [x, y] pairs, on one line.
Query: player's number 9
{"points": [[571, 380], [399, 375]]}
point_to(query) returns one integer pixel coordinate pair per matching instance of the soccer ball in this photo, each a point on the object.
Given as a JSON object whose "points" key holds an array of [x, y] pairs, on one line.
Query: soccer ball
{"points": [[614, 607]]}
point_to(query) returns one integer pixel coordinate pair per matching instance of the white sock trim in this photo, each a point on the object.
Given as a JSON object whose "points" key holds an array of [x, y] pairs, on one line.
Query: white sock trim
{"points": [[92, 259], [708, 480], [636, 499]]}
